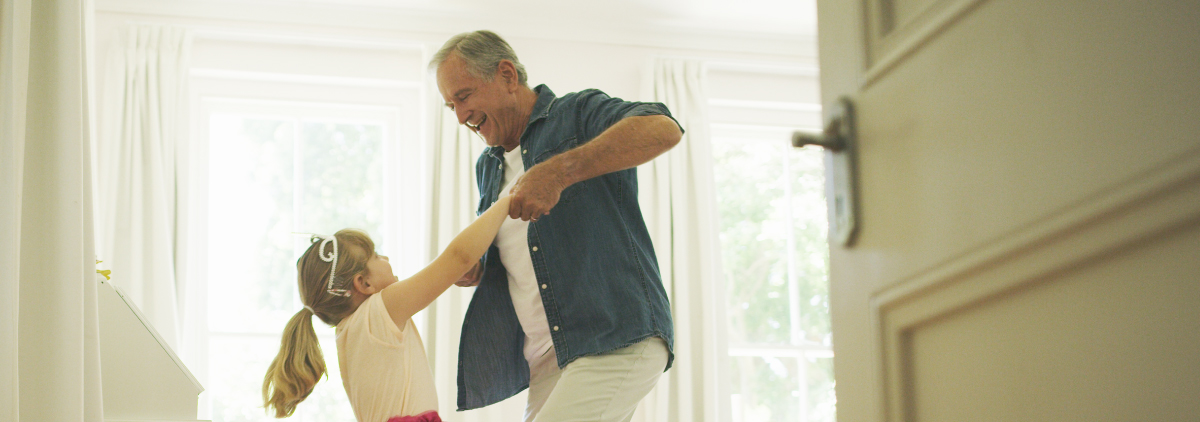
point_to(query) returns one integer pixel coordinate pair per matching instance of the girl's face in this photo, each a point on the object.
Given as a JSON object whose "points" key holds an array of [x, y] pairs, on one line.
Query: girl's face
{"points": [[379, 272]]}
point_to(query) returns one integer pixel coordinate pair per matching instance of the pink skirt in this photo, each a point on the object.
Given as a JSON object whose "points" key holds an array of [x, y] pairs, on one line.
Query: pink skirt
{"points": [[430, 416]]}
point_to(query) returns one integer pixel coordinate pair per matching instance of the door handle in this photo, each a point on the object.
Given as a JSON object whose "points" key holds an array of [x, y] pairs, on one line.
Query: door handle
{"points": [[840, 144]]}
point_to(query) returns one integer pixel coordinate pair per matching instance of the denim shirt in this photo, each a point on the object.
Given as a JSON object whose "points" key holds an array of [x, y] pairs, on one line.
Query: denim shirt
{"points": [[592, 256]]}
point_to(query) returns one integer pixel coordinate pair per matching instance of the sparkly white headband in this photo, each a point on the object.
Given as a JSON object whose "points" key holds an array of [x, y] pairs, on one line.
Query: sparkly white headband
{"points": [[332, 259]]}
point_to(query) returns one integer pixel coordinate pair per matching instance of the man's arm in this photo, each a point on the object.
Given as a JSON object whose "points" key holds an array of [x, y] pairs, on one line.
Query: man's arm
{"points": [[630, 142]]}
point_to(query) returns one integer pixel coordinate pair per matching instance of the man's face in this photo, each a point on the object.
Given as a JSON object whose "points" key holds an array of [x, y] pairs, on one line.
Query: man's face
{"points": [[487, 108]]}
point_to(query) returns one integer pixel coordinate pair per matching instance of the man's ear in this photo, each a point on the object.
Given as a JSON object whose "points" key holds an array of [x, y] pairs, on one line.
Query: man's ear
{"points": [[363, 286], [508, 71]]}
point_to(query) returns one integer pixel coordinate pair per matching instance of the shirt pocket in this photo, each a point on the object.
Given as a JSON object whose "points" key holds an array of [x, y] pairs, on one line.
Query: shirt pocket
{"points": [[554, 147]]}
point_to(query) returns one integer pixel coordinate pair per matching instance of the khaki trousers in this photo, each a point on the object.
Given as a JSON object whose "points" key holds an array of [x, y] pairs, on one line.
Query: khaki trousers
{"points": [[603, 388]]}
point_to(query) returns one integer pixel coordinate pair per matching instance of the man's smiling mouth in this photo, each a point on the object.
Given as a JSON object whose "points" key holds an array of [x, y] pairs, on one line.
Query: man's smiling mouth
{"points": [[475, 127]]}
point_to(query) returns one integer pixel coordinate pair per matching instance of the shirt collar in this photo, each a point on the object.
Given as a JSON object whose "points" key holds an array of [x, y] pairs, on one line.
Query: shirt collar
{"points": [[541, 109]]}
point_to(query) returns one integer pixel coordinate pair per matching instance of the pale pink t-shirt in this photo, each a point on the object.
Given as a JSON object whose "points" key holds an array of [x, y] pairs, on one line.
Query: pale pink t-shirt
{"points": [[384, 369]]}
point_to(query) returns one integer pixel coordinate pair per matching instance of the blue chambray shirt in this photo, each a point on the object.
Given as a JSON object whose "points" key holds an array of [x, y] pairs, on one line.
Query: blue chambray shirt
{"points": [[592, 252]]}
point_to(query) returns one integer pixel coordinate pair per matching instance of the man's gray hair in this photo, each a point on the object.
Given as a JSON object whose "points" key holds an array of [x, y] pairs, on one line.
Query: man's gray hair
{"points": [[482, 50]]}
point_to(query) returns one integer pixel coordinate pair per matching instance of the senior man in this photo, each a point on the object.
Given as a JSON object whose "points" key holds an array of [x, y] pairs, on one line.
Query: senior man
{"points": [[569, 301]]}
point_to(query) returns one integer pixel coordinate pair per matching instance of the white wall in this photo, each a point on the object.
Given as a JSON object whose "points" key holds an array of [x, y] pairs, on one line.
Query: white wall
{"points": [[610, 55]]}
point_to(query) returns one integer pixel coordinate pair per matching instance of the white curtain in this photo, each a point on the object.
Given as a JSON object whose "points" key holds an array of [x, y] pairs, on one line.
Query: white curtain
{"points": [[49, 345], [679, 203], [454, 200], [140, 227]]}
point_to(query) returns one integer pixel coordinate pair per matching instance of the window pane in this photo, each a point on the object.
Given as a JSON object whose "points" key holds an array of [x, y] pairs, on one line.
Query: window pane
{"points": [[755, 204], [251, 268], [768, 388], [774, 245], [342, 177], [749, 180], [765, 389], [810, 236], [822, 403], [239, 364]]}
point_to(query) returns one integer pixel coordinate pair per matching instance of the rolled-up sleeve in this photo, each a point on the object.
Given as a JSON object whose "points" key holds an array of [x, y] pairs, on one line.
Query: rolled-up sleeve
{"points": [[598, 111]]}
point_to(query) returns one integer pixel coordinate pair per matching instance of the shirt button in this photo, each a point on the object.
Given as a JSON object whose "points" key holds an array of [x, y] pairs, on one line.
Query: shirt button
{"points": [[535, 248], [525, 150], [543, 287], [555, 328]]}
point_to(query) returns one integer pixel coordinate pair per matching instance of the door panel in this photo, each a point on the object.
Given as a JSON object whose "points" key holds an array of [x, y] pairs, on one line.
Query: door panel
{"points": [[1005, 148], [1093, 343], [974, 136]]}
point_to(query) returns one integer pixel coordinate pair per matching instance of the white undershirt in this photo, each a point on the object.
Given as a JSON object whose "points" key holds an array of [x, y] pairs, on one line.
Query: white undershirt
{"points": [[513, 241]]}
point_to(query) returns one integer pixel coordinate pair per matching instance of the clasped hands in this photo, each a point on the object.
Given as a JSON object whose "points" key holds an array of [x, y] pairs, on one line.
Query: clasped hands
{"points": [[533, 195]]}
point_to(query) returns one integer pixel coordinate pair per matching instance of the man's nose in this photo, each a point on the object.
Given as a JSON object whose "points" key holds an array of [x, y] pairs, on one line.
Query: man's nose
{"points": [[462, 115]]}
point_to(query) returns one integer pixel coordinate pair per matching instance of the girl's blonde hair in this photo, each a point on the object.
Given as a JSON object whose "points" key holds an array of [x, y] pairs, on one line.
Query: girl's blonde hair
{"points": [[300, 363]]}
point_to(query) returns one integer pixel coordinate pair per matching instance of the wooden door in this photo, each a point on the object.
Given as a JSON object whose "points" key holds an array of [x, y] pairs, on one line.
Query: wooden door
{"points": [[1028, 246]]}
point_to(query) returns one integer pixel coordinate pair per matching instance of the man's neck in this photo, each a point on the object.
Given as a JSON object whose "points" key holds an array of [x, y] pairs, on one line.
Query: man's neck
{"points": [[526, 100]]}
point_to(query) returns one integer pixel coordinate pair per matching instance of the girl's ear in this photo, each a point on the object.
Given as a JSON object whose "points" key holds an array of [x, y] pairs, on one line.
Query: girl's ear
{"points": [[362, 285]]}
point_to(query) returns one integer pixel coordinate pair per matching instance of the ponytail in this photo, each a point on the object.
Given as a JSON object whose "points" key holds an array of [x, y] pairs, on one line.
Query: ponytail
{"points": [[296, 369], [300, 363]]}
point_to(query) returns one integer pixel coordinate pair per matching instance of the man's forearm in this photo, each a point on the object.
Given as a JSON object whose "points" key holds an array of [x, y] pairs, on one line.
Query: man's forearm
{"points": [[628, 143]]}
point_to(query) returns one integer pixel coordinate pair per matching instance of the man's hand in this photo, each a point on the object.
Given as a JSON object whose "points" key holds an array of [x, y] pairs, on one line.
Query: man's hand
{"points": [[626, 144], [535, 193], [471, 277]]}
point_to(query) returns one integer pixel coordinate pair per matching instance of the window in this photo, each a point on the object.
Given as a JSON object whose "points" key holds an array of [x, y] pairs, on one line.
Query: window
{"points": [[279, 153], [773, 242], [299, 169]]}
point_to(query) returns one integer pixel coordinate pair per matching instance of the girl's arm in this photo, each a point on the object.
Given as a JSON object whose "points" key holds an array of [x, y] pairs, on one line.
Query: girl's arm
{"points": [[405, 298]]}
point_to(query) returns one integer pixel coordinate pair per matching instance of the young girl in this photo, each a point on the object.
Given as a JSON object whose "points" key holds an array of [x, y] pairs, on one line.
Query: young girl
{"points": [[383, 364]]}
